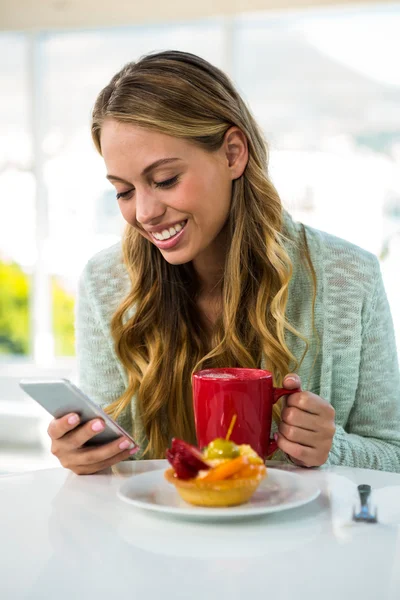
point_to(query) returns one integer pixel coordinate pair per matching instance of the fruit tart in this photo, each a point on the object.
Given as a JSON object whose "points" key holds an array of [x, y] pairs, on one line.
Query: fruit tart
{"points": [[222, 474]]}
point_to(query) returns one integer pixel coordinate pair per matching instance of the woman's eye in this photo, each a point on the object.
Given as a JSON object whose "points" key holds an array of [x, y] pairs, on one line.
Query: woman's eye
{"points": [[167, 183], [123, 194], [159, 184]]}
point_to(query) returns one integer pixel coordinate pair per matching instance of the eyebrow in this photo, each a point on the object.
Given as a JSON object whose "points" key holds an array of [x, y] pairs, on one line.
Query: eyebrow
{"points": [[146, 171]]}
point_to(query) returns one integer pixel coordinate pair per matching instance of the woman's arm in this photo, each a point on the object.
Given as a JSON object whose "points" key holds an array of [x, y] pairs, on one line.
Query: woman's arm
{"points": [[371, 438], [99, 371]]}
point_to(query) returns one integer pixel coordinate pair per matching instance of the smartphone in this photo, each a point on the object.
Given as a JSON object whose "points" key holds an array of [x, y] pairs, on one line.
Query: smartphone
{"points": [[60, 397]]}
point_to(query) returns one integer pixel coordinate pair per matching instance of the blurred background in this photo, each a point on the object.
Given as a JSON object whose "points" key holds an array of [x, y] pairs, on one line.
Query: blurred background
{"points": [[322, 79]]}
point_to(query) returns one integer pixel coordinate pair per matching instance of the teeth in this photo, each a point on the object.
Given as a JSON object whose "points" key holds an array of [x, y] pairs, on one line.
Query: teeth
{"points": [[167, 233]]}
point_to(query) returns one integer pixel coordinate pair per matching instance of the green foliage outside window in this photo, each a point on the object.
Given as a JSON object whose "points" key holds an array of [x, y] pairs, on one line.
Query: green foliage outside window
{"points": [[14, 309], [63, 320], [15, 317]]}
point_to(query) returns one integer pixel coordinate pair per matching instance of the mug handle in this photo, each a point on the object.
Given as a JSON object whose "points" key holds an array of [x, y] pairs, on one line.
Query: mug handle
{"points": [[278, 392]]}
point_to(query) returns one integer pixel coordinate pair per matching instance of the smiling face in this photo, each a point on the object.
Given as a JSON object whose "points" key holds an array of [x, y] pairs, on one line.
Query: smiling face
{"points": [[192, 191]]}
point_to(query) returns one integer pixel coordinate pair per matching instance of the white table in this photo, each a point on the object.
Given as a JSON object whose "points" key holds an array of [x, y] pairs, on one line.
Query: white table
{"points": [[69, 537]]}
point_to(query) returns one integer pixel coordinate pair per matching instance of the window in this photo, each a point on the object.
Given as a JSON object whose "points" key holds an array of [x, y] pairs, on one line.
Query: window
{"points": [[330, 113], [17, 184], [77, 206]]}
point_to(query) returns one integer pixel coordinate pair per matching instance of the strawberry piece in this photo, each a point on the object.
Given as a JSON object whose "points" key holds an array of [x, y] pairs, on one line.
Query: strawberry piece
{"points": [[189, 455], [186, 459], [170, 456], [182, 470]]}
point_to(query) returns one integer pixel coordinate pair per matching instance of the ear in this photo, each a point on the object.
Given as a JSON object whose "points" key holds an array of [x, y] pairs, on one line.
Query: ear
{"points": [[236, 151]]}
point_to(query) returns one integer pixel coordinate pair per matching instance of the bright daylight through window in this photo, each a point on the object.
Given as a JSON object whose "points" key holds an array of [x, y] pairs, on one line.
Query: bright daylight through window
{"points": [[329, 111]]}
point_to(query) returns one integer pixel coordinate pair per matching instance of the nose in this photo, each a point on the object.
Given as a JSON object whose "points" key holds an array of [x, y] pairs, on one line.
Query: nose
{"points": [[148, 208]]}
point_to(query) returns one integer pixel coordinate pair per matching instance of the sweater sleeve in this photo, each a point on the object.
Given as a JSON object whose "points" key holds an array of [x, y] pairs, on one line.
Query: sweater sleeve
{"points": [[99, 372], [371, 437]]}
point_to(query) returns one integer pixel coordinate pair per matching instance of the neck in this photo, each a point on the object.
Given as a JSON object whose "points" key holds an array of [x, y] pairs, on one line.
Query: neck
{"points": [[209, 267]]}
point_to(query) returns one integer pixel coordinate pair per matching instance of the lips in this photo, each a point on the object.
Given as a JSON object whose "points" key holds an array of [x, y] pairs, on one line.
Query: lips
{"points": [[170, 242], [168, 231]]}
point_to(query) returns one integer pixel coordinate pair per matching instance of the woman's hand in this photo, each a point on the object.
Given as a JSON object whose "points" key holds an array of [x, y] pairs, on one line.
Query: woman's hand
{"points": [[307, 427], [68, 438]]}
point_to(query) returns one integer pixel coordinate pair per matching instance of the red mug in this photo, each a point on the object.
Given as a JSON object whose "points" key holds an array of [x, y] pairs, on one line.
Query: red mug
{"points": [[219, 394]]}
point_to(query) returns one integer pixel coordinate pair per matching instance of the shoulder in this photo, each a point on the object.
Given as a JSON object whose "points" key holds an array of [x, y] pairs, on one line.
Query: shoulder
{"points": [[338, 260], [344, 264], [108, 262], [104, 278]]}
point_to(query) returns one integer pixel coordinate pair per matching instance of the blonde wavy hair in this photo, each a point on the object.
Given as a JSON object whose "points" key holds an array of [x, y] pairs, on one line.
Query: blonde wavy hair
{"points": [[162, 341]]}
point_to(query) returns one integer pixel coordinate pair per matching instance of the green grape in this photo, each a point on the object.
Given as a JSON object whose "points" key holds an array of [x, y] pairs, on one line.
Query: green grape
{"points": [[221, 448]]}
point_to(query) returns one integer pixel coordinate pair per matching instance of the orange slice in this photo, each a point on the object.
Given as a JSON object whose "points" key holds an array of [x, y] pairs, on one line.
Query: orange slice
{"points": [[227, 469], [249, 470]]}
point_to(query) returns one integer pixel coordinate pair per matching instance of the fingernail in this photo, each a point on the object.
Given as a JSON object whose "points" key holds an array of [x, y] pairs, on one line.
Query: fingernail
{"points": [[73, 419], [98, 426], [276, 437], [292, 379], [134, 450], [126, 444]]}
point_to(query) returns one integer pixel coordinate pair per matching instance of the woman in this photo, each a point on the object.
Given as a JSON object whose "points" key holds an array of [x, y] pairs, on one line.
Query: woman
{"points": [[212, 272]]}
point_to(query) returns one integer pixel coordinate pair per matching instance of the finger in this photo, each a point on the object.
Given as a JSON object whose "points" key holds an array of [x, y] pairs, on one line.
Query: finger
{"points": [[89, 469], [291, 381], [88, 458], [299, 452], [59, 427], [322, 426], [293, 416], [77, 438], [99, 454], [308, 402], [299, 436]]}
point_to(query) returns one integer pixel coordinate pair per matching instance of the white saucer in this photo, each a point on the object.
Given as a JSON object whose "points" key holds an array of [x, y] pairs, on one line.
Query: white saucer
{"points": [[279, 491]]}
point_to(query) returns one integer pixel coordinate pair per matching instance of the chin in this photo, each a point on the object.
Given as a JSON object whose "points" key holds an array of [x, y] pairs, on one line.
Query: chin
{"points": [[176, 260]]}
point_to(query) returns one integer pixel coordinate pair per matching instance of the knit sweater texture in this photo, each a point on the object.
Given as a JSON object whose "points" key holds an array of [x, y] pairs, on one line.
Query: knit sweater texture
{"points": [[351, 363]]}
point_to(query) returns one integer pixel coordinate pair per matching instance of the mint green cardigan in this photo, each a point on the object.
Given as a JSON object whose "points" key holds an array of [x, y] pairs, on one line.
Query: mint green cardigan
{"points": [[356, 368]]}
